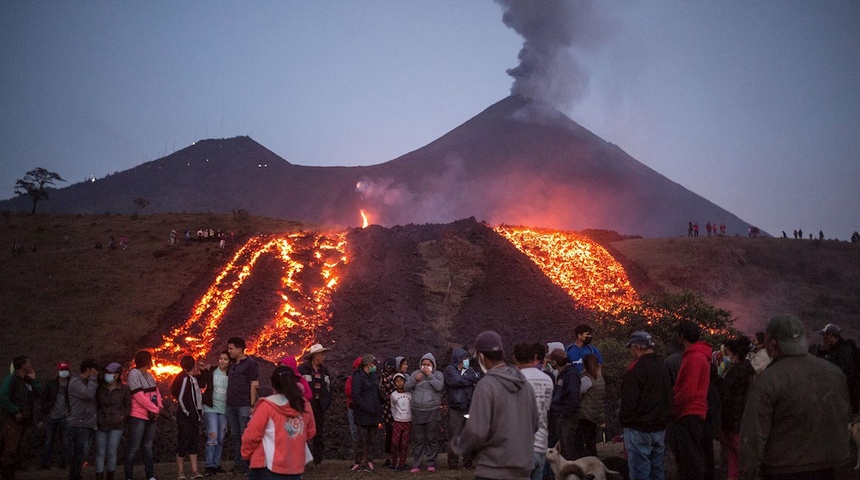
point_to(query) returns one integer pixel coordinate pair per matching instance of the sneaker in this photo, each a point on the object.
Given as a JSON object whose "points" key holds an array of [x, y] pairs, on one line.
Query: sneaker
{"points": [[369, 466], [355, 467], [431, 469], [415, 470]]}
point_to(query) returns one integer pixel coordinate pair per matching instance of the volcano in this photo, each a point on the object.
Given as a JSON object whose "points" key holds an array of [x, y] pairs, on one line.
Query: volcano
{"points": [[517, 162]]}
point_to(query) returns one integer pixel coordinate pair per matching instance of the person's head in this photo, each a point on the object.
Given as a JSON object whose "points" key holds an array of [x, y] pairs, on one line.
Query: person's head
{"points": [[187, 363], [784, 336], [758, 340], [688, 332], [142, 360], [63, 370], [583, 334], [21, 364], [112, 373], [558, 359], [590, 365], [224, 360], [399, 381], [831, 334], [539, 351], [524, 354], [284, 381], [491, 351], [640, 343], [368, 363], [316, 354], [388, 365], [735, 350], [428, 362], [236, 348], [402, 364], [89, 367]]}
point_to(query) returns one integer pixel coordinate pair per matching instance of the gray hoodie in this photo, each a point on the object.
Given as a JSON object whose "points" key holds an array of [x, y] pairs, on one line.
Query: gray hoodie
{"points": [[427, 392], [500, 432], [82, 402]]}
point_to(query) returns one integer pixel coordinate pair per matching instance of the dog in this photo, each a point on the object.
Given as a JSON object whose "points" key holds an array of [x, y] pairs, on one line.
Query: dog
{"points": [[583, 468], [854, 430]]}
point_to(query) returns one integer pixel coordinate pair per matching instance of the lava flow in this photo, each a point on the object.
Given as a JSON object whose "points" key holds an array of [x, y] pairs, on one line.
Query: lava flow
{"points": [[310, 262], [583, 268]]}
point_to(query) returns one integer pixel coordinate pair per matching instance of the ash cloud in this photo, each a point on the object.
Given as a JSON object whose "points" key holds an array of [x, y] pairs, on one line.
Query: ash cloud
{"points": [[552, 31]]}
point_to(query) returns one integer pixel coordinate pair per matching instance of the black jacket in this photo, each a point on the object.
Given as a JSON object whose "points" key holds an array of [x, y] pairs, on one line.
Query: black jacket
{"points": [[736, 385], [112, 407], [19, 395], [49, 395], [366, 406], [646, 395], [321, 399]]}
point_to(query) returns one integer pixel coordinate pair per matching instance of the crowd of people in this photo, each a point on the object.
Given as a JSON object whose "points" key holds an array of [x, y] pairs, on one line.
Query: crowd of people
{"points": [[763, 398]]}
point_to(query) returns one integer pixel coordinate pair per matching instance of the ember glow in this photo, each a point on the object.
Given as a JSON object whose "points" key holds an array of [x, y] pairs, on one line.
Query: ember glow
{"points": [[310, 274], [364, 221], [583, 268]]}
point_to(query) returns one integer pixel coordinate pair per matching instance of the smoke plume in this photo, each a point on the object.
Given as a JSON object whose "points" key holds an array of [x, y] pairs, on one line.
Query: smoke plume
{"points": [[552, 31]]}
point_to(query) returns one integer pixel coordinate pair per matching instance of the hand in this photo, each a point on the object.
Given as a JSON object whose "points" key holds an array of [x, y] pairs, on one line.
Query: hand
{"points": [[251, 410], [419, 376], [255, 384]]}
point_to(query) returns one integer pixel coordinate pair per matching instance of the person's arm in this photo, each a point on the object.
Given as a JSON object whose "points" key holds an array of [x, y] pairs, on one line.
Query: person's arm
{"points": [[412, 381], [310, 422], [253, 434], [453, 378], [254, 375], [476, 432], [6, 402], [82, 390], [436, 380]]}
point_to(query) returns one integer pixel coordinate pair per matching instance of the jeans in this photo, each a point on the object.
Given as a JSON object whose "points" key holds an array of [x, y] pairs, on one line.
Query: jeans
{"points": [[141, 433], [216, 430], [82, 438], [237, 419], [52, 425], [266, 474], [537, 472], [107, 443], [646, 453]]}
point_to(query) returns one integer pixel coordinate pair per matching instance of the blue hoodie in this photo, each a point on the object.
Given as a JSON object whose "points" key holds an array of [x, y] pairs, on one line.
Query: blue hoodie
{"points": [[460, 384]]}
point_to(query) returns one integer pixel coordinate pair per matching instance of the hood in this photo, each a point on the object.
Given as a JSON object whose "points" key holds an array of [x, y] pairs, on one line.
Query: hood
{"points": [[281, 404], [429, 356], [398, 361], [700, 348], [457, 355], [509, 376]]}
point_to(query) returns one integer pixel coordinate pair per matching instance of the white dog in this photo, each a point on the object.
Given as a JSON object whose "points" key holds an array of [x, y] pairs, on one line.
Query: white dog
{"points": [[583, 468]]}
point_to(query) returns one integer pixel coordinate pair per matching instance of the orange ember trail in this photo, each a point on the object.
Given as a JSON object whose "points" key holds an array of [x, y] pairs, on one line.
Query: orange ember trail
{"points": [[304, 307], [364, 221], [583, 268]]}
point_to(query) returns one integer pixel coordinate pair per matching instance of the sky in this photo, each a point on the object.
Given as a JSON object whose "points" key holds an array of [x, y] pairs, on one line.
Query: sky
{"points": [[752, 105]]}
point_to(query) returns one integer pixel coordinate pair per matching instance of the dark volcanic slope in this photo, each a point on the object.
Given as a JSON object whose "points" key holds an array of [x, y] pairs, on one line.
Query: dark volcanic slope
{"points": [[517, 162]]}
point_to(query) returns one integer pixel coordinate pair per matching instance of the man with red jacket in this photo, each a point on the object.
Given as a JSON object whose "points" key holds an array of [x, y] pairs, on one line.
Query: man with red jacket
{"points": [[690, 404]]}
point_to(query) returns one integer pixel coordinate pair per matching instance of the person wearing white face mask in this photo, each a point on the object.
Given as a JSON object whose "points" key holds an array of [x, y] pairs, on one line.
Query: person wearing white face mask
{"points": [[55, 411], [460, 380], [113, 401], [426, 385]]}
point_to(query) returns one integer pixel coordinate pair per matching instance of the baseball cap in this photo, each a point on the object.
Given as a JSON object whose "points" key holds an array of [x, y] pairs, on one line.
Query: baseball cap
{"points": [[113, 367], [489, 341], [832, 329], [787, 330], [400, 375], [62, 366], [640, 338]]}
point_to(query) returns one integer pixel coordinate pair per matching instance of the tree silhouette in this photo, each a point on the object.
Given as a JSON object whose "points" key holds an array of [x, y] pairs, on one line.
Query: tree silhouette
{"points": [[35, 184], [141, 202]]}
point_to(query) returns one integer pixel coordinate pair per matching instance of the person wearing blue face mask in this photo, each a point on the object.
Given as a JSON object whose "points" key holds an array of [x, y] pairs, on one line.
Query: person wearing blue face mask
{"points": [[460, 380], [367, 410], [113, 401]]}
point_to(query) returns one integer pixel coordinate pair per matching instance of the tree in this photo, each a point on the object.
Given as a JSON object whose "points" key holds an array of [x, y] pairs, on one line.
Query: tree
{"points": [[35, 184], [141, 202]]}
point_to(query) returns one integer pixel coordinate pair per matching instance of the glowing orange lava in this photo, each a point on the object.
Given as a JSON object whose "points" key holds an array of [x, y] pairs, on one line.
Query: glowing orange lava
{"points": [[314, 256], [364, 221], [583, 268]]}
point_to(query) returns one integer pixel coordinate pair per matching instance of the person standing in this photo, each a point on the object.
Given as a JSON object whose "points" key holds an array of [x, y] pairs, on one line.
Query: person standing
{"points": [[460, 380], [386, 387], [645, 409], [17, 397], [313, 369], [758, 357], [401, 410], [55, 412], [82, 414], [145, 406], [733, 398], [186, 391], [527, 359], [797, 409], [367, 409], [503, 417], [593, 390], [838, 352], [581, 347], [426, 385], [242, 378], [690, 403], [564, 409], [213, 381], [113, 401], [274, 443]]}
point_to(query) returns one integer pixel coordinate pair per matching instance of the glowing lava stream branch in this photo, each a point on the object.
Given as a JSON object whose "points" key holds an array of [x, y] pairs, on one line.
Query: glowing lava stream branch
{"points": [[583, 268], [303, 310]]}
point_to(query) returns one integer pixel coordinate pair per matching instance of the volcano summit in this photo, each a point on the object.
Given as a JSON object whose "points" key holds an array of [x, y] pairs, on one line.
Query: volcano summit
{"points": [[517, 162]]}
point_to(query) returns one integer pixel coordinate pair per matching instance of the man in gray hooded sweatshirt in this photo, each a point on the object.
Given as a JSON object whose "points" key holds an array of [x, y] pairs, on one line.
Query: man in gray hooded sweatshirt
{"points": [[426, 385], [503, 417]]}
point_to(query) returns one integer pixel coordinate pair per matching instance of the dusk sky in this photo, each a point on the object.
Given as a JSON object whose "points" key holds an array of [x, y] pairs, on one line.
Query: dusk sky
{"points": [[753, 105]]}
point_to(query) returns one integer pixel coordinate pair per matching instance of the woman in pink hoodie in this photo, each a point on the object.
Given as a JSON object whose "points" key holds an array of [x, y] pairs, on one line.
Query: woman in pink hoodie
{"points": [[145, 407], [275, 440]]}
